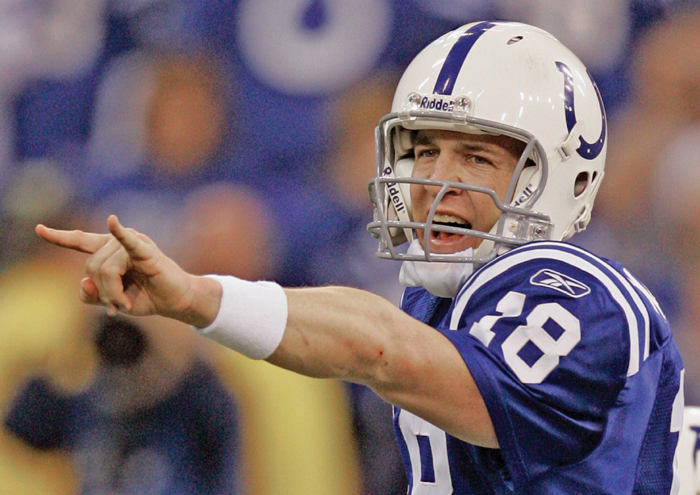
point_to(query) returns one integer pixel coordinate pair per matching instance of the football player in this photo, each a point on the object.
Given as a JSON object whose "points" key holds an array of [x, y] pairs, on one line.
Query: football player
{"points": [[520, 363]]}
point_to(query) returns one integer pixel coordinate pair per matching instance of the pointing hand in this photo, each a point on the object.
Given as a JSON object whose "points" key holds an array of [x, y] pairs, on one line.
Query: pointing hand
{"points": [[127, 272]]}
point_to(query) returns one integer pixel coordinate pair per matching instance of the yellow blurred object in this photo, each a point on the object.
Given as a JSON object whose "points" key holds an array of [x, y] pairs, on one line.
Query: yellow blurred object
{"points": [[39, 304], [25, 471], [297, 430], [39, 330]]}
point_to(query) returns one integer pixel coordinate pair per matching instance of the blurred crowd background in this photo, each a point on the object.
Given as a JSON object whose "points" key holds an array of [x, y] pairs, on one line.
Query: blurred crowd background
{"points": [[238, 134]]}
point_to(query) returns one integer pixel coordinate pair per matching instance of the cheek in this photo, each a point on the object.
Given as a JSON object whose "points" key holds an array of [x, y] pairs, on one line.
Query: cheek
{"points": [[492, 215], [422, 169], [418, 202], [503, 183], [487, 212], [498, 181]]}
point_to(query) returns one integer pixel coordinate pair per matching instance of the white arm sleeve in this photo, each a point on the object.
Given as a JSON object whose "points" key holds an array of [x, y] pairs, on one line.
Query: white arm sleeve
{"points": [[251, 319]]}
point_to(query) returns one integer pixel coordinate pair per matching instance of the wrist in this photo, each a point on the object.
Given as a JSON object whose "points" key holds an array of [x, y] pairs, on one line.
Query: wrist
{"points": [[251, 317], [205, 300]]}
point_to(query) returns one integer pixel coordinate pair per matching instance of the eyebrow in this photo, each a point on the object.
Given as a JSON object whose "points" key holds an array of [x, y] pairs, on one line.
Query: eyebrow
{"points": [[422, 139], [476, 147]]}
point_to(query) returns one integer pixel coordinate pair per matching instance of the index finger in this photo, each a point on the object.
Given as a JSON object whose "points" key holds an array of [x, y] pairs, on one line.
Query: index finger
{"points": [[85, 242]]}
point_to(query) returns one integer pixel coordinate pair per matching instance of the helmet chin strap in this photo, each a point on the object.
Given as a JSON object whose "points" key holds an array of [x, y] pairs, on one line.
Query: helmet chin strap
{"points": [[485, 247], [440, 278]]}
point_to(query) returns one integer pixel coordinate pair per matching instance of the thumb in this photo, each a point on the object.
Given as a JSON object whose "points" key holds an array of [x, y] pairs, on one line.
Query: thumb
{"points": [[88, 292]]}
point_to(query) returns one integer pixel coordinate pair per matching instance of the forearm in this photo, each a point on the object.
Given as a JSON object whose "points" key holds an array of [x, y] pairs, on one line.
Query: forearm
{"points": [[325, 332], [322, 332], [339, 332]]}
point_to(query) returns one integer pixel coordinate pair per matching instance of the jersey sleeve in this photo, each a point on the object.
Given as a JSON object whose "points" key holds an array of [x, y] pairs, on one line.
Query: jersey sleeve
{"points": [[549, 336]]}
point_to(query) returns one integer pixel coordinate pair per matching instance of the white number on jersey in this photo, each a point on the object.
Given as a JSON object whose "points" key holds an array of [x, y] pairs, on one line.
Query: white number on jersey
{"points": [[427, 448], [677, 426], [552, 349]]}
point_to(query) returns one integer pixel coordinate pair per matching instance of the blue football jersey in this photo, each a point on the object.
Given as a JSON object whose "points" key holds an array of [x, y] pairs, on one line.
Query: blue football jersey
{"points": [[579, 372]]}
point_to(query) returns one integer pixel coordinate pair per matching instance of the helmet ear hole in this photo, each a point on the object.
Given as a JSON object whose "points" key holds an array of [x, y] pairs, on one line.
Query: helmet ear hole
{"points": [[581, 184]]}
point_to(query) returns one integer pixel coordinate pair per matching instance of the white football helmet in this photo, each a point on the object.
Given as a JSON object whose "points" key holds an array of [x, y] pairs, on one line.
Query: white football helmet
{"points": [[497, 78]]}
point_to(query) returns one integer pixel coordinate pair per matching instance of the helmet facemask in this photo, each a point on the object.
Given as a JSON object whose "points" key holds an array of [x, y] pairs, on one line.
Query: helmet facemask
{"points": [[393, 224]]}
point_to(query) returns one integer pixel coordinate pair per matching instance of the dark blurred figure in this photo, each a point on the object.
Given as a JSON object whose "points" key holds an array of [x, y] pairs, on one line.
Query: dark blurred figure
{"points": [[350, 261], [155, 419], [160, 117]]}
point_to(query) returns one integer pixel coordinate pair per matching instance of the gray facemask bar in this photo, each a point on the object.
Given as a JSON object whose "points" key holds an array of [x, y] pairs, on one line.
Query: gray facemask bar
{"points": [[524, 223]]}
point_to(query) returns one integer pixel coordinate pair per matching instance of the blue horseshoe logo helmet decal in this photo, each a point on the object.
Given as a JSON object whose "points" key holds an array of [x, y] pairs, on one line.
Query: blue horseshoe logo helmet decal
{"points": [[587, 150]]}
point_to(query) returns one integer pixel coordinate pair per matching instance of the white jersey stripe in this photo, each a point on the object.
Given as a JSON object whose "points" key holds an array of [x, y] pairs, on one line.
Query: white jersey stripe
{"points": [[516, 258], [626, 283], [643, 289]]}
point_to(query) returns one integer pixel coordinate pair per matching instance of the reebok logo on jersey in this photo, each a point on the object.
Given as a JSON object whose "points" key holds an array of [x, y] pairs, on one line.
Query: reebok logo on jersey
{"points": [[560, 282]]}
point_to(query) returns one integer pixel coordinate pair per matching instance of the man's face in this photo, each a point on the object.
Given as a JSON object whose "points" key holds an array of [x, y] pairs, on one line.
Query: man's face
{"points": [[481, 160]]}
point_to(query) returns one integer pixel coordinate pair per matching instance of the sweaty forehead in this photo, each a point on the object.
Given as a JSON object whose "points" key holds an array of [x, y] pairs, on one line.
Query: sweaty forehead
{"points": [[487, 142]]}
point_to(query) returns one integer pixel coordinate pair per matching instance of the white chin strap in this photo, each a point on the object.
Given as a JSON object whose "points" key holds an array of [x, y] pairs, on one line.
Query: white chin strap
{"points": [[440, 278]]}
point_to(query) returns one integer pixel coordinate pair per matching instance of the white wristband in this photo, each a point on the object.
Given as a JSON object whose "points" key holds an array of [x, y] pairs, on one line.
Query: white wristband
{"points": [[251, 319]]}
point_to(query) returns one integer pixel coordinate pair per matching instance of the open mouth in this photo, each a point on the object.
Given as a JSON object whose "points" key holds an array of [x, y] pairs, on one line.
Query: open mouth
{"points": [[448, 221]]}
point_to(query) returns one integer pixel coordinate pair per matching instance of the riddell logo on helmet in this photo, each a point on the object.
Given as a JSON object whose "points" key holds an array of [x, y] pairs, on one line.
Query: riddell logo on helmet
{"points": [[394, 192], [525, 195], [437, 104]]}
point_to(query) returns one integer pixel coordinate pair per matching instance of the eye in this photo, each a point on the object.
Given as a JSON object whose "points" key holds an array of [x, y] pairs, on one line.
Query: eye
{"points": [[480, 160], [426, 153]]}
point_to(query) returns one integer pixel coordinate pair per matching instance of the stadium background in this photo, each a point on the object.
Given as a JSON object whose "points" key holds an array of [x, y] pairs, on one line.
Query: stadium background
{"points": [[239, 136]]}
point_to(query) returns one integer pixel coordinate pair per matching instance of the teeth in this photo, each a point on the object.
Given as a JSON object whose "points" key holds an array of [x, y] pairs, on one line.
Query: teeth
{"points": [[439, 218]]}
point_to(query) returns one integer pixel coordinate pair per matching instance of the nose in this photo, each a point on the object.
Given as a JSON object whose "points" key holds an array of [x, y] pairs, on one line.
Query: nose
{"points": [[445, 169]]}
